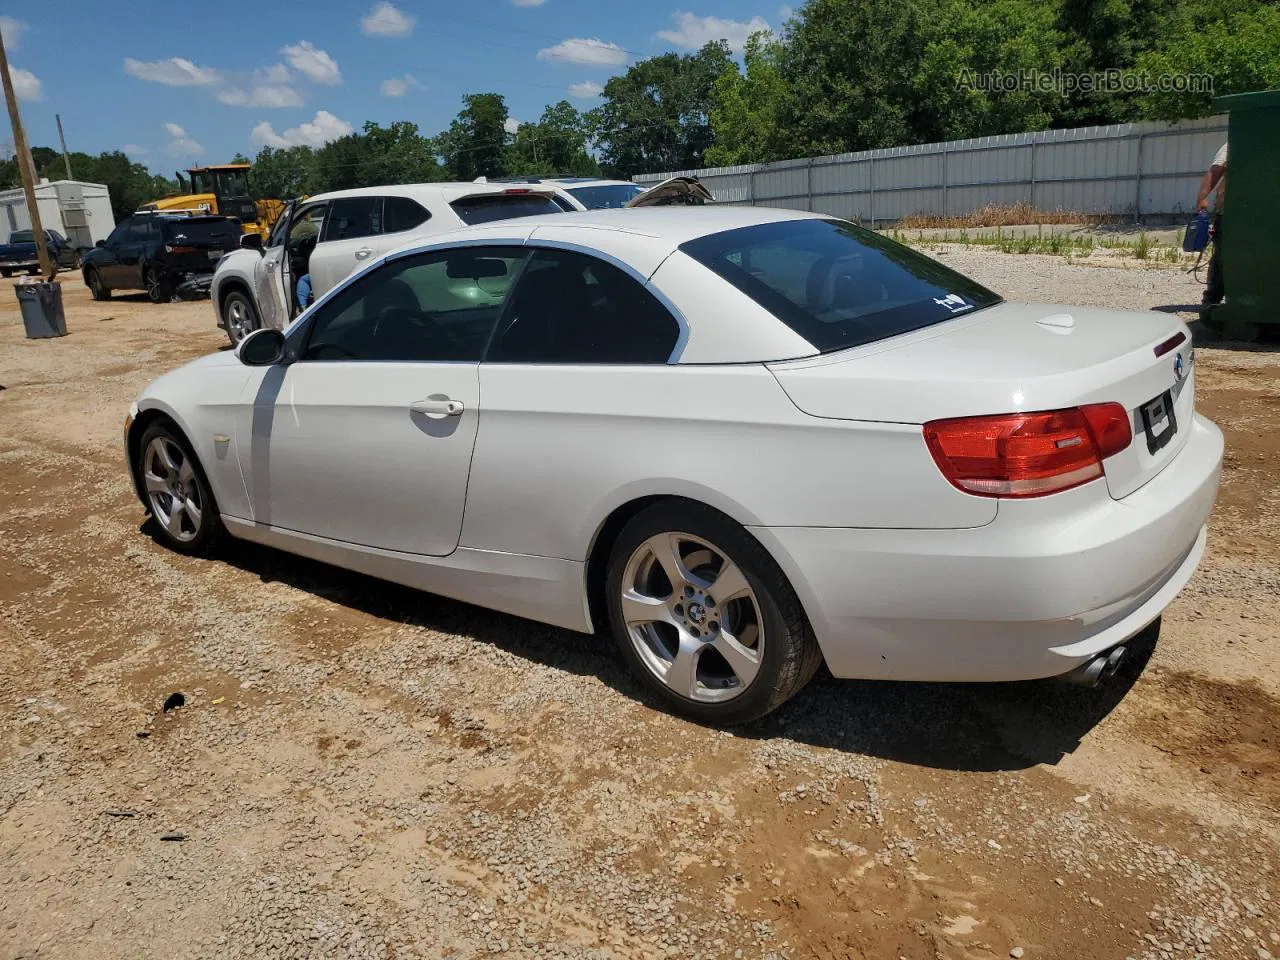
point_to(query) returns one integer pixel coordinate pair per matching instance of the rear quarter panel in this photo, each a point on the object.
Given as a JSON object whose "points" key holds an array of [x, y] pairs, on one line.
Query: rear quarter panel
{"points": [[560, 447]]}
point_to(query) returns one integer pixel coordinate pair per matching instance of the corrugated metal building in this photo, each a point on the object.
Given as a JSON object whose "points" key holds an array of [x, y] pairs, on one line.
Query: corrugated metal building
{"points": [[1139, 169]]}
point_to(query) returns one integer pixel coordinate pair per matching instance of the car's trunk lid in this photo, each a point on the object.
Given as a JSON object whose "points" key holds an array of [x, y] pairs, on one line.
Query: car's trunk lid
{"points": [[1014, 357]]}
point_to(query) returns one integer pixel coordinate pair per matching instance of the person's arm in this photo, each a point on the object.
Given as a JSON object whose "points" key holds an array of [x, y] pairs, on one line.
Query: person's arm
{"points": [[1207, 185]]}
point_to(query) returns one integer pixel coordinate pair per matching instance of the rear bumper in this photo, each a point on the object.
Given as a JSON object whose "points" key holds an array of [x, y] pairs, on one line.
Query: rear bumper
{"points": [[1041, 589]]}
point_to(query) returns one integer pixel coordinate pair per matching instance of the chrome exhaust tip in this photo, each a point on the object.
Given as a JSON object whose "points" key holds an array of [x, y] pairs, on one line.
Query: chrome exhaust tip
{"points": [[1093, 672]]}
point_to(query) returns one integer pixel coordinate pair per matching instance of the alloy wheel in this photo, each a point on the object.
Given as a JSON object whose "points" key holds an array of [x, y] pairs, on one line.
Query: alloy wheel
{"points": [[154, 291], [172, 489], [238, 322], [692, 617]]}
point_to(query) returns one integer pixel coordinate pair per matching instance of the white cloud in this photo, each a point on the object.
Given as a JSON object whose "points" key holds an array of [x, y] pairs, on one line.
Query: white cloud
{"points": [[585, 90], [399, 86], [262, 95], [26, 85], [693, 32], [528, 3], [589, 52], [181, 145], [511, 125], [313, 63], [387, 20], [314, 133], [174, 72], [785, 12], [12, 30], [134, 149], [276, 73]]}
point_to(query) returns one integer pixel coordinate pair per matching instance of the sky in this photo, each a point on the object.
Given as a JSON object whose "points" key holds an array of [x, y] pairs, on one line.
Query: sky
{"points": [[175, 84]]}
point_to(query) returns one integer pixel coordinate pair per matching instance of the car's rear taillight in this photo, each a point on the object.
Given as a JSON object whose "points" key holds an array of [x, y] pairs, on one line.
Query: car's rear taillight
{"points": [[1028, 454], [178, 248]]}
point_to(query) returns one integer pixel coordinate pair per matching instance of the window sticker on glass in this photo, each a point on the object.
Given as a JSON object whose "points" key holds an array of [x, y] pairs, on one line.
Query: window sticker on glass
{"points": [[953, 302]]}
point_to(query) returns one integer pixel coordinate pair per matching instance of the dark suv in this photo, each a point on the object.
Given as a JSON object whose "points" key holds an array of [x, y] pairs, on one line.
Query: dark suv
{"points": [[157, 252]]}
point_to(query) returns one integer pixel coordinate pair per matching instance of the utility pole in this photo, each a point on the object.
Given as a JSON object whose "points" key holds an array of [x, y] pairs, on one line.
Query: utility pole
{"points": [[66, 159], [25, 166]]}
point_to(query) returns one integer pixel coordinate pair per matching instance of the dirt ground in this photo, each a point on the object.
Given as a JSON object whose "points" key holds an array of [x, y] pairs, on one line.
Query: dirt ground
{"points": [[364, 771]]}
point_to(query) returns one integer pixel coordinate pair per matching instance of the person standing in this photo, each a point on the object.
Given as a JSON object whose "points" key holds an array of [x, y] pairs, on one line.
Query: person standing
{"points": [[1214, 178]]}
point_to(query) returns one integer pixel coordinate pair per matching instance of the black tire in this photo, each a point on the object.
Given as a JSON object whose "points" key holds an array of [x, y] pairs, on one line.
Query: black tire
{"points": [[196, 538], [159, 286], [97, 289], [235, 332], [6, 273], [791, 654], [33, 271]]}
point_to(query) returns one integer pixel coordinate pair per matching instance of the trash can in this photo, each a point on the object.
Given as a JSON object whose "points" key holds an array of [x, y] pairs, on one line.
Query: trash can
{"points": [[41, 305]]}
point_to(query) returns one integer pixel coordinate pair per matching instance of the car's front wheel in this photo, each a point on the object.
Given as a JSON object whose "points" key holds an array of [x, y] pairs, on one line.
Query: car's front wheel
{"points": [[177, 491], [97, 289], [705, 617], [240, 316]]}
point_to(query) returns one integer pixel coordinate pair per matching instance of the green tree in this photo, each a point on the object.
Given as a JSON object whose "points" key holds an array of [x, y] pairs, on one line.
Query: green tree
{"points": [[377, 155], [1241, 51], [656, 115], [475, 143], [239, 158], [749, 110], [556, 144], [284, 172]]}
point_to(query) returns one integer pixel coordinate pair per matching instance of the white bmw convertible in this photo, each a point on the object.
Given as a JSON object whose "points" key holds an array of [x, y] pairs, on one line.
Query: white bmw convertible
{"points": [[745, 441]]}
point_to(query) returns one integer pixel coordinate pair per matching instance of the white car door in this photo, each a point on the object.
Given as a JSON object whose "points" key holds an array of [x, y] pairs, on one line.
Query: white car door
{"points": [[366, 436]]}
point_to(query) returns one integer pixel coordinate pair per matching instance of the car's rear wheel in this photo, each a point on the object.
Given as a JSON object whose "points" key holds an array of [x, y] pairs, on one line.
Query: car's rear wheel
{"points": [[159, 289], [97, 289], [704, 615], [240, 316], [177, 492]]}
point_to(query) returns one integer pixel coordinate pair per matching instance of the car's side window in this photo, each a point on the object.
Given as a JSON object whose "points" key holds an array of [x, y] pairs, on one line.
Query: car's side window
{"points": [[117, 236], [401, 213], [573, 308], [353, 217], [307, 226], [140, 231], [438, 306], [280, 230]]}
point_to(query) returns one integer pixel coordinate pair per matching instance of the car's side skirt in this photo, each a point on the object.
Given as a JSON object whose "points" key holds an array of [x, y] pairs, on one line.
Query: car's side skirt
{"points": [[546, 589]]}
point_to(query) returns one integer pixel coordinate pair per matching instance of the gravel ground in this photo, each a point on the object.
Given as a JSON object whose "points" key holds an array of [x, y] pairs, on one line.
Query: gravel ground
{"points": [[359, 770]]}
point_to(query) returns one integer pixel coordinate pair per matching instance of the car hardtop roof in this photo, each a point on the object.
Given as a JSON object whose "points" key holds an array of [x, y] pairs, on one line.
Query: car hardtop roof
{"points": [[676, 223], [449, 190], [658, 230]]}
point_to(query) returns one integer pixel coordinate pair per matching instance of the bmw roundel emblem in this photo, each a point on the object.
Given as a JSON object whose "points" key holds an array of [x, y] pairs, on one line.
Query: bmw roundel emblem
{"points": [[1179, 367]]}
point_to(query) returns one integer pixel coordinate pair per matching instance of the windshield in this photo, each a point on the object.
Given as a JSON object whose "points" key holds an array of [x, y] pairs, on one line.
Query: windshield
{"points": [[836, 284], [501, 206], [612, 196], [222, 183]]}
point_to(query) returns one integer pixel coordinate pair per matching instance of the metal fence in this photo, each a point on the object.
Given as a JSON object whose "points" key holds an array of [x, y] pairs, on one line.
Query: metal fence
{"points": [[1137, 169]]}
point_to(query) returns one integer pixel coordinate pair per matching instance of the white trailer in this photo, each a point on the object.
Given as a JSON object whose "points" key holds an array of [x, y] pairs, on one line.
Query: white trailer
{"points": [[81, 212]]}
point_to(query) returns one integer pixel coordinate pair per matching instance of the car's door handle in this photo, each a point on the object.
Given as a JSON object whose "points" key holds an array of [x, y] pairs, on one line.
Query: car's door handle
{"points": [[363, 253], [437, 408], [269, 262]]}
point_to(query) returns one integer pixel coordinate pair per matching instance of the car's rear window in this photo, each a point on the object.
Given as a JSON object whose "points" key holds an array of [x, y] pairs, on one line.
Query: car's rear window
{"points": [[502, 206], [609, 196], [212, 231], [22, 236], [836, 284]]}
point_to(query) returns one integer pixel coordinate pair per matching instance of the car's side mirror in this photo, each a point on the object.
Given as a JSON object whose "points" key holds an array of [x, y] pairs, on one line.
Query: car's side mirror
{"points": [[251, 241], [100, 243], [262, 348]]}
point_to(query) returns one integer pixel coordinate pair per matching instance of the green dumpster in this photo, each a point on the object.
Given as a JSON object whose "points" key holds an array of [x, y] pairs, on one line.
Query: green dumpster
{"points": [[1250, 217]]}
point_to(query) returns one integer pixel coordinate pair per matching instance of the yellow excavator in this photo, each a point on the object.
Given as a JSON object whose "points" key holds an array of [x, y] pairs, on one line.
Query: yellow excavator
{"points": [[222, 190]]}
